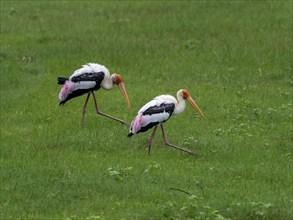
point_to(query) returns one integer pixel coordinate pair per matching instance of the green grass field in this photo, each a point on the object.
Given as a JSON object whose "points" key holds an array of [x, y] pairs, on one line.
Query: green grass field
{"points": [[234, 57]]}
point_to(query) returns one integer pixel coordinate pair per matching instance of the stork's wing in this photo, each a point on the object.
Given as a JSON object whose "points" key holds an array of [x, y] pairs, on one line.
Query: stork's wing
{"points": [[163, 108], [90, 76]]}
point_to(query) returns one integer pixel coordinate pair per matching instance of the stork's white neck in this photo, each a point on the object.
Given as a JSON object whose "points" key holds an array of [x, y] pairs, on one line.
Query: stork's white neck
{"points": [[180, 106], [107, 83]]}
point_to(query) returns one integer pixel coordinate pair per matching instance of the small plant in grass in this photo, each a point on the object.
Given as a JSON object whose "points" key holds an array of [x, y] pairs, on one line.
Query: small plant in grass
{"points": [[95, 217], [260, 210], [153, 166], [91, 217], [193, 208], [118, 173], [254, 210], [191, 141]]}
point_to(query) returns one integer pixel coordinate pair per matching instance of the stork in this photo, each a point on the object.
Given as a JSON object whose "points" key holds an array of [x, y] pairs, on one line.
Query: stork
{"points": [[87, 80], [158, 111]]}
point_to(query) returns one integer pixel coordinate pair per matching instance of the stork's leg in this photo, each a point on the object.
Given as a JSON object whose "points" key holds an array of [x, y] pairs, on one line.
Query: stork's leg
{"points": [[172, 145], [84, 108], [151, 139], [108, 116]]}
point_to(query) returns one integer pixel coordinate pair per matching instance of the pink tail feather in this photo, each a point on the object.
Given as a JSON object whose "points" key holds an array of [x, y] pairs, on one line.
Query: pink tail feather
{"points": [[67, 88], [135, 125]]}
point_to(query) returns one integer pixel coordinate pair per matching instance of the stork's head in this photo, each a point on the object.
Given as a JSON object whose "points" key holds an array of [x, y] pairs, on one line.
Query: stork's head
{"points": [[185, 95], [118, 80]]}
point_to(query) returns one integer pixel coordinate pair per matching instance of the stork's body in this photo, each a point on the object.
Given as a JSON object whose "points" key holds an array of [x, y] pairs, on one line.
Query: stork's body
{"points": [[158, 111], [87, 80]]}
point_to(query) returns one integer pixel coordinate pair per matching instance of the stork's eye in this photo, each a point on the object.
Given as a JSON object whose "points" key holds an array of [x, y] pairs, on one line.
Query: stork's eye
{"points": [[185, 93], [117, 79]]}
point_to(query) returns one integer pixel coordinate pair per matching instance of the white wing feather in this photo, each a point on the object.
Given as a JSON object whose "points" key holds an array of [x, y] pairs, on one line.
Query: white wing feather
{"points": [[89, 68], [85, 85]]}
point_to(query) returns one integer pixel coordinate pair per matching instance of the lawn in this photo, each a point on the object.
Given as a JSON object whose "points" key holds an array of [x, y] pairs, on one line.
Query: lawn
{"points": [[235, 59]]}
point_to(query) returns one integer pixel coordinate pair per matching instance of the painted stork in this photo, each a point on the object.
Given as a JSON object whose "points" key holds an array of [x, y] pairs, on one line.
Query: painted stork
{"points": [[86, 80], [158, 111]]}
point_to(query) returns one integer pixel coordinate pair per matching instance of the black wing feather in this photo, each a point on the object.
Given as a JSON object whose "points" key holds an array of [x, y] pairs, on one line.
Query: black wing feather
{"points": [[164, 107], [62, 80], [76, 93], [92, 76]]}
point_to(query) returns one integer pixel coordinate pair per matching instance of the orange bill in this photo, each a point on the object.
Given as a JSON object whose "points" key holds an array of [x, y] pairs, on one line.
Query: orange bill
{"points": [[123, 90], [190, 100]]}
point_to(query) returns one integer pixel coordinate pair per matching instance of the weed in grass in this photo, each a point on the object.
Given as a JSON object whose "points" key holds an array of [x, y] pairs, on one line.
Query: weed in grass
{"points": [[192, 208], [153, 166], [119, 174], [260, 210]]}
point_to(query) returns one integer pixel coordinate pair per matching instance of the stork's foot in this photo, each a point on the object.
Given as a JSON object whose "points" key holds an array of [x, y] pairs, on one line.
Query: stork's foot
{"points": [[182, 149]]}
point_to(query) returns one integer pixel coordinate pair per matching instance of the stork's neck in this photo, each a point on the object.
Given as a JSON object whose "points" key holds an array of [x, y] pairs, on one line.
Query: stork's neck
{"points": [[180, 106], [107, 83]]}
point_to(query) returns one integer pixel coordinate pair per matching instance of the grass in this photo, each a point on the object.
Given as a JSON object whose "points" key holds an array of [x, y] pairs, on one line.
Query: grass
{"points": [[234, 57]]}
